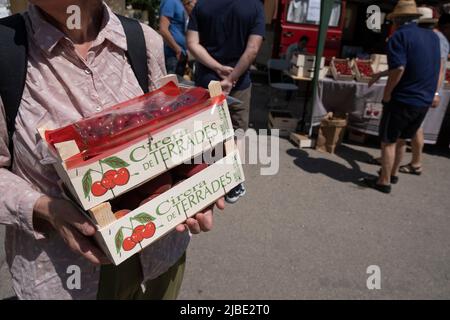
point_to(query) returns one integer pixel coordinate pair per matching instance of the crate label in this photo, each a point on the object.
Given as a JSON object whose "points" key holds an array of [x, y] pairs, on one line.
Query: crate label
{"points": [[162, 214], [142, 161]]}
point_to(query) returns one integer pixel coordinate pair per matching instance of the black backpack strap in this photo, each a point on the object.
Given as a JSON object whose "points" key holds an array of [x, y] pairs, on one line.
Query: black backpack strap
{"points": [[14, 58], [13, 67], [137, 52]]}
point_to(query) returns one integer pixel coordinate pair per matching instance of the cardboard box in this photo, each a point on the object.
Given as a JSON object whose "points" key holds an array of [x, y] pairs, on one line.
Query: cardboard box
{"points": [[306, 60], [144, 162]]}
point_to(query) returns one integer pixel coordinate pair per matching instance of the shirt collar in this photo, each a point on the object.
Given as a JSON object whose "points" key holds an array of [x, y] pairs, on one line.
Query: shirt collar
{"points": [[411, 24], [48, 36]]}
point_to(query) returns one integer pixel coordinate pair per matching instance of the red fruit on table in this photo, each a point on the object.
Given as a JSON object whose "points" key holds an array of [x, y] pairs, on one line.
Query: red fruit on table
{"points": [[98, 189], [122, 177], [158, 185], [121, 213], [188, 170], [149, 230], [137, 234], [108, 182], [128, 244]]}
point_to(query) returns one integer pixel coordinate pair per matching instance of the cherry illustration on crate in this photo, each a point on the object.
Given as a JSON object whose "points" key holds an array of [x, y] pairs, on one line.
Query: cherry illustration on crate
{"points": [[145, 230], [117, 176]]}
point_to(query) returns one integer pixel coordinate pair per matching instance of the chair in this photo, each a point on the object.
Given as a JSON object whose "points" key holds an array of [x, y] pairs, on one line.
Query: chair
{"points": [[288, 87]]}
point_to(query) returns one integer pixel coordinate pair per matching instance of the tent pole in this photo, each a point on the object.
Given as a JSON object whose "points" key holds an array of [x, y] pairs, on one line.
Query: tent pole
{"points": [[325, 14]]}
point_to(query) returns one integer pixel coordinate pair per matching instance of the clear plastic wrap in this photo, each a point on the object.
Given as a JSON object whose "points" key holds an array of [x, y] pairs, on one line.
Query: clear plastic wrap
{"points": [[130, 120]]}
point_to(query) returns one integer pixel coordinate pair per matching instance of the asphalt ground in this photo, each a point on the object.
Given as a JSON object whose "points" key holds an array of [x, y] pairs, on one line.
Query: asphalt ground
{"points": [[311, 232]]}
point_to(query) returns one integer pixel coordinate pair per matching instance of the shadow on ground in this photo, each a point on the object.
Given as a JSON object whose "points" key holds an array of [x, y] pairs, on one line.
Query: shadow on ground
{"points": [[333, 169]]}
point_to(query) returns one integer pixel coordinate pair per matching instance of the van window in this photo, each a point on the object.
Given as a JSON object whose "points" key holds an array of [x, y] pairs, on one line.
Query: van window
{"points": [[308, 12]]}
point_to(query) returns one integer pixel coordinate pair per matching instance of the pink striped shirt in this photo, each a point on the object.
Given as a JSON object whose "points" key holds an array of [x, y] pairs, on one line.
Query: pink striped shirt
{"points": [[61, 88]]}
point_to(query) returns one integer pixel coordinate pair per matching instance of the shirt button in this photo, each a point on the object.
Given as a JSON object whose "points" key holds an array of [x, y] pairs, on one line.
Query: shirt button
{"points": [[87, 71], [98, 109]]}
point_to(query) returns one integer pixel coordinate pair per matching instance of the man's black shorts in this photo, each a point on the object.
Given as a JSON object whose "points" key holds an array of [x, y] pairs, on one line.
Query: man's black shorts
{"points": [[400, 121]]}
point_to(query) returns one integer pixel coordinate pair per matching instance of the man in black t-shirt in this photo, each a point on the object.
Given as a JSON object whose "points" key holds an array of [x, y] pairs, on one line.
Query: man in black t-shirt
{"points": [[225, 37]]}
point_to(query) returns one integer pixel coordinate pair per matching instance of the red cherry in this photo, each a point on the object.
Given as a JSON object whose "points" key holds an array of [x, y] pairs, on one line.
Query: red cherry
{"points": [[137, 234], [149, 230], [97, 189], [108, 182], [158, 185], [110, 173], [128, 244], [153, 196], [121, 213], [122, 177]]}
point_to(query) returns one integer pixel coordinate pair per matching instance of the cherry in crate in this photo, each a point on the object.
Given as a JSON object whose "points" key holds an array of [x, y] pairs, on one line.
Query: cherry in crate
{"points": [[364, 68], [343, 68], [130, 120]]}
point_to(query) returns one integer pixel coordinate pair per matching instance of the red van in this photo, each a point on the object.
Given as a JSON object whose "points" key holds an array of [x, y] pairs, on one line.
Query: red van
{"points": [[298, 18]]}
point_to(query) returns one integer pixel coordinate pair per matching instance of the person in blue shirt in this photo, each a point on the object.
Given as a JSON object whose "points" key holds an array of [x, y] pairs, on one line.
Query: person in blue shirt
{"points": [[225, 37], [428, 21], [172, 26], [414, 63]]}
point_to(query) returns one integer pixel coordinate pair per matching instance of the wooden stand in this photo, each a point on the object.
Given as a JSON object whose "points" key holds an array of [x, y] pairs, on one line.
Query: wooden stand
{"points": [[301, 140]]}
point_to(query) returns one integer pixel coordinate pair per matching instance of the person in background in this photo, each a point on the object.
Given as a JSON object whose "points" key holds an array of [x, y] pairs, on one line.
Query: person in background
{"points": [[417, 143], [297, 48], [410, 89], [172, 27], [189, 6], [225, 37]]}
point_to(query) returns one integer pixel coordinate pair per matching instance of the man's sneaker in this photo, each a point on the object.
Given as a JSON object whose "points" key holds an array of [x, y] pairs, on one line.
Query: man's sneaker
{"points": [[235, 193], [372, 182], [243, 190]]}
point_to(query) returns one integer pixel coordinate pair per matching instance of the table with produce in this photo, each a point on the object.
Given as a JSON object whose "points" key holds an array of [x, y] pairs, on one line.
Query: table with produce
{"points": [[347, 92]]}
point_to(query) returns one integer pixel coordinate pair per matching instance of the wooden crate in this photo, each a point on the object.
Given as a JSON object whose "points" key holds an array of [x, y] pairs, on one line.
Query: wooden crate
{"points": [[360, 77], [282, 120], [172, 207], [379, 62], [147, 156], [336, 74], [301, 140]]}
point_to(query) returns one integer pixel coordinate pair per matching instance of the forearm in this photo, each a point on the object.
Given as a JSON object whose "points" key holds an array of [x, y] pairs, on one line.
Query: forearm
{"points": [[245, 61], [394, 77], [441, 75], [17, 200], [384, 73], [243, 64], [169, 40], [202, 56]]}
